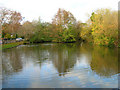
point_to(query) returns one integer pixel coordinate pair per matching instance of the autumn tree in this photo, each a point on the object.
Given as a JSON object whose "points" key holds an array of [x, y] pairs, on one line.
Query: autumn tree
{"points": [[64, 22], [4, 15], [15, 20], [85, 34], [26, 30], [105, 27], [63, 18], [10, 21], [4, 18]]}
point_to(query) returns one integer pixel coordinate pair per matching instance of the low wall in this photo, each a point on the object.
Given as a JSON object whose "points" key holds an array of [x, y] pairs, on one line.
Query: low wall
{"points": [[8, 41]]}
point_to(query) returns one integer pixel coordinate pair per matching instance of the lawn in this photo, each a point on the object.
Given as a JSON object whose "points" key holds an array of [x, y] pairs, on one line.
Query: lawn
{"points": [[10, 45]]}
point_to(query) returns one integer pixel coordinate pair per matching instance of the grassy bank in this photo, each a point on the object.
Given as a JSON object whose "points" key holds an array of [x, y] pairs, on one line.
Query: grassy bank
{"points": [[10, 45]]}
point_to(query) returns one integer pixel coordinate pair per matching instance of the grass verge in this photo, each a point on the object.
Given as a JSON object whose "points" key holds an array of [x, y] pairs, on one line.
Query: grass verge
{"points": [[10, 45]]}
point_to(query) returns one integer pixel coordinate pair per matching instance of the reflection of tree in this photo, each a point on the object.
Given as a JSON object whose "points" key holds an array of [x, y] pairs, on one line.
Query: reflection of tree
{"points": [[64, 57], [11, 61], [104, 61]]}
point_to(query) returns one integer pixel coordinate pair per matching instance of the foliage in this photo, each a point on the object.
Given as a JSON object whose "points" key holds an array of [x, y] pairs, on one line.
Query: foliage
{"points": [[10, 21], [42, 33], [68, 35], [86, 33], [104, 27], [8, 36], [66, 26]]}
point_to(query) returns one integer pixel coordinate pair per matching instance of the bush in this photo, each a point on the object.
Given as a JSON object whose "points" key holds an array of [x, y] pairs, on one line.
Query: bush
{"points": [[7, 36]]}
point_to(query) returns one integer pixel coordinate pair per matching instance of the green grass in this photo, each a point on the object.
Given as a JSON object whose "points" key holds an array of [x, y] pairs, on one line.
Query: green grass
{"points": [[10, 45]]}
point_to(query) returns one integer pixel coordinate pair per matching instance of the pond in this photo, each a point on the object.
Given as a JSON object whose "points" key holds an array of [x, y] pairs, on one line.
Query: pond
{"points": [[60, 65]]}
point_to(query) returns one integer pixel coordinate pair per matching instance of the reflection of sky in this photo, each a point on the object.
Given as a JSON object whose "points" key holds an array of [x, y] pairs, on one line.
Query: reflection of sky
{"points": [[83, 61], [81, 75]]}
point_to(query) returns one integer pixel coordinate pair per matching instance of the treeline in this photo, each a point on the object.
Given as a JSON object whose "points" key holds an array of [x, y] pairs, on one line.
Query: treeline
{"points": [[64, 28], [100, 29]]}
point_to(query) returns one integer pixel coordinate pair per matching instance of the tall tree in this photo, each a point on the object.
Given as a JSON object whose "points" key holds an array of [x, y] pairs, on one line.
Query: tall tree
{"points": [[63, 22], [63, 18], [10, 21], [105, 27]]}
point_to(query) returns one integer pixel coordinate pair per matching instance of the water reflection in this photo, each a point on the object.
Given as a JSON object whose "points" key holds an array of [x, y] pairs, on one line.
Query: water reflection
{"points": [[11, 61], [104, 61], [64, 58], [45, 64]]}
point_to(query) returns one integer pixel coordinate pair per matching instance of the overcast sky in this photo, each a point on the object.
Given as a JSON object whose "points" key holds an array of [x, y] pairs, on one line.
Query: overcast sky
{"points": [[46, 9]]}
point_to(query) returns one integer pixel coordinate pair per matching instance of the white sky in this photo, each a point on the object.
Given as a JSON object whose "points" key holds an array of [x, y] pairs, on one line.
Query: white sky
{"points": [[46, 9]]}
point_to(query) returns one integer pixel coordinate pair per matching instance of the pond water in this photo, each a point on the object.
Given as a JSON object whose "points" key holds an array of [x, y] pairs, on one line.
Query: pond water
{"points": [[58, 65]]}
